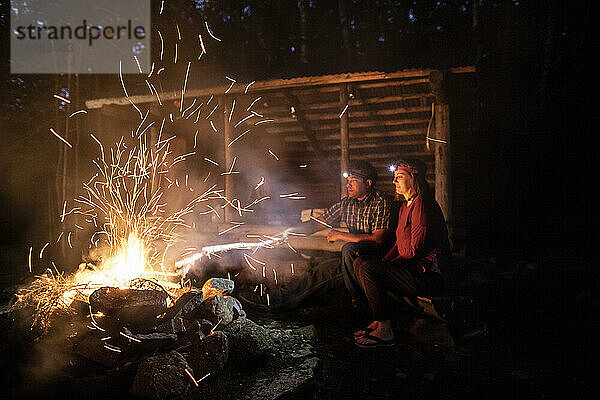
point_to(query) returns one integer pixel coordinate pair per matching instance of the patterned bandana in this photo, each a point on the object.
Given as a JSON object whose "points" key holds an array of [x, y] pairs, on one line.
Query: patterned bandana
{"points": [[408, 168]]}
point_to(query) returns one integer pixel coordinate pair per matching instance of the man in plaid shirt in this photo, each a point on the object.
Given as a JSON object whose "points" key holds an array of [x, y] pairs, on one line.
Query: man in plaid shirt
{"points": [[366, 213]]}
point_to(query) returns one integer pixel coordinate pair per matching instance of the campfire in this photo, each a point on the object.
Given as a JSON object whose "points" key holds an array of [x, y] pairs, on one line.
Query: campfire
{"points": [[130, 309], [132, 305], [123, 202]]}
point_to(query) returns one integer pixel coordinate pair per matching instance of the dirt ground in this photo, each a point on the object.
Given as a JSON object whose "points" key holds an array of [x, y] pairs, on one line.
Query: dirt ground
{"points": [[529, 330], [522, 330]]}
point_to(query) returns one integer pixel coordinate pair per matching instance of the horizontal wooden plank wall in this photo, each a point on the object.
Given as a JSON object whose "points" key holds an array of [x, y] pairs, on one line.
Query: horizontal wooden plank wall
{"points": [[387, 120]]}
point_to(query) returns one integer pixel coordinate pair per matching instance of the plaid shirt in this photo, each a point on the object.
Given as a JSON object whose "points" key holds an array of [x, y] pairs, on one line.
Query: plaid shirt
{"points": [[361, 216]]}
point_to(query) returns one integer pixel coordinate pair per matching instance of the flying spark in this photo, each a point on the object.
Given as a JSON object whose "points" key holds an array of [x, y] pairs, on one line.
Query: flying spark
{"points": [[254, 101], [61, 138], [343, 111], [239, 136], [248, 86], [78, 112], [43, 248], [321, 222], [259, 184], [29, 258], [63, 99], [162, 45], [210, 32], [201, 45]]}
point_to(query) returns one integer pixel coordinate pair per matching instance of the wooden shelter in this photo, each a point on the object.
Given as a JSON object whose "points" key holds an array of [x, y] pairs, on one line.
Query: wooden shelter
{"points": [[308, 128]]}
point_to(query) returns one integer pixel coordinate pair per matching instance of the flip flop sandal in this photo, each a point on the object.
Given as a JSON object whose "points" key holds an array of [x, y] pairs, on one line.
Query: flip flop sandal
{"points": [[376, 342], [364, 331]]}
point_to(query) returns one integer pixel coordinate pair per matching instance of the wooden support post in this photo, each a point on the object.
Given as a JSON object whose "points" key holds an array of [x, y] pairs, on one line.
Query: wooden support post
{"points": [[344, 137], [441, 148], [228, 137]]}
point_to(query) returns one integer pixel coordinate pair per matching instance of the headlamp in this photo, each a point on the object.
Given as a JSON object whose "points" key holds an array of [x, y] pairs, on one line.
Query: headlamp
{"points": [[345, 174], [392, 168]]}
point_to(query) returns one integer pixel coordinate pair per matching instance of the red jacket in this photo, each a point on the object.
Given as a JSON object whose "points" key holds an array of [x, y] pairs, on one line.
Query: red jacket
{"points": [[421, 237]]}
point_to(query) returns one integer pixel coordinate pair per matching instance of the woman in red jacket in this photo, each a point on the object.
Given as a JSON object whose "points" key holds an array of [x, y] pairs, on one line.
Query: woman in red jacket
{"points": [[414, 266]]}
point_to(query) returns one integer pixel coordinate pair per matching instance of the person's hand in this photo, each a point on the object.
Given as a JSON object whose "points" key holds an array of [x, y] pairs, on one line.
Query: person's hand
{"points": [[334, 235]]}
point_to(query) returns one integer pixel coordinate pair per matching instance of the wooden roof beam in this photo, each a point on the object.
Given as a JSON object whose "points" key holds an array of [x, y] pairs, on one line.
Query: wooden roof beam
{"points": [[368, 85], [277, 84], [373, 158]]}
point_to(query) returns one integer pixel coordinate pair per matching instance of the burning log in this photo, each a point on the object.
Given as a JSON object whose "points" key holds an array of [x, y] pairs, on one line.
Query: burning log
{"points": [[129, 305]]}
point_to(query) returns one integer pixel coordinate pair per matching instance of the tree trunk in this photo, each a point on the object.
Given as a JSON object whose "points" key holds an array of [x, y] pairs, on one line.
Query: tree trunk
{"points": [[476, 31], [303, 8], [259, 23], [346, 37], [547, 62]]}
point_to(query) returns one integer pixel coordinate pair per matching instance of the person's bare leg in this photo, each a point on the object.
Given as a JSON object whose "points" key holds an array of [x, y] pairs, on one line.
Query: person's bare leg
{"points": [[383, 330]]}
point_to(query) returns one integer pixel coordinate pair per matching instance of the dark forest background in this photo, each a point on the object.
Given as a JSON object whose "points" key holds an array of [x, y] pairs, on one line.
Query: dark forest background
{"points": [[535, 160]]}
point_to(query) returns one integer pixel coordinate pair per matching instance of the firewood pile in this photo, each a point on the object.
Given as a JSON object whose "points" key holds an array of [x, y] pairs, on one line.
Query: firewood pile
{"points": [[173, 348]]}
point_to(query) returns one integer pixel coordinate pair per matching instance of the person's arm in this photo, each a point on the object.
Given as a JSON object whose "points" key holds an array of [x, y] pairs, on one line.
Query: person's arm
{"points": [[418, 228], [306, 228], [377, 236], [379, 221], [325, 220]]}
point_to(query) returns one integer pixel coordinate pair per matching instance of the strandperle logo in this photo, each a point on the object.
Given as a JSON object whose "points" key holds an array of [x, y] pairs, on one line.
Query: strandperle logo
{"points": [[80, 36], [83, 31]]}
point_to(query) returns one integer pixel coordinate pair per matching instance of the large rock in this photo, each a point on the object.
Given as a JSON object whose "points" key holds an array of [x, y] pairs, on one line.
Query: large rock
{"points": [[174, 325], [308, 332], [146, 343], [247, 341], [295, 382], [185, 303], [94, 349], [131, 306], [432, 332], [237, 308], [218, 310], [209, 355], [215, 286], [162, 376]]}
